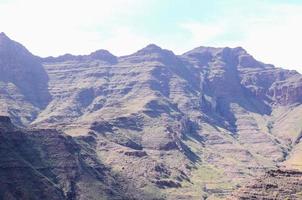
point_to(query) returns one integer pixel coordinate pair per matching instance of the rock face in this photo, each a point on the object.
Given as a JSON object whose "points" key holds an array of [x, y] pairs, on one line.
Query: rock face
{"points": [[178, 126], [276, 184], [47, 164], [23, 82]]}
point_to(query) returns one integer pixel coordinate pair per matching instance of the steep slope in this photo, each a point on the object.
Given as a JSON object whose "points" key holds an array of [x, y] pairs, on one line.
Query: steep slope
{"points": [[183, 127], [23, 82], [202, 107], [276, 184], [46, 164]]}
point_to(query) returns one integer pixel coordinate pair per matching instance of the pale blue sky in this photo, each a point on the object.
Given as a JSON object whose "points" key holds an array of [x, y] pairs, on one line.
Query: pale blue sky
{"points": [[268, 29]]}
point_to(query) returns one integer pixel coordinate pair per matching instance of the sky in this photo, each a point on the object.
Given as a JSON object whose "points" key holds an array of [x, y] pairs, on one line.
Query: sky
{"points": [[270, 30]]}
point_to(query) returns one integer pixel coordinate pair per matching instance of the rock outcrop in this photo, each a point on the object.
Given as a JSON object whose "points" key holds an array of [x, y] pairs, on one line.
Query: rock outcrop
{"points": [[276, 184]]}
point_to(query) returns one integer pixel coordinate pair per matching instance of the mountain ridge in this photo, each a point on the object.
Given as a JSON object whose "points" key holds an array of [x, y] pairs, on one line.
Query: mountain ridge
{"points": [[142, 111]]}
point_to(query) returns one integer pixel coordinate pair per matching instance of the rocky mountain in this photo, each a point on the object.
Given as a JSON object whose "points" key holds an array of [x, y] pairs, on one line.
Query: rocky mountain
{"points": [[47, 164], [276, 184], [23, 82], [164, 126]]}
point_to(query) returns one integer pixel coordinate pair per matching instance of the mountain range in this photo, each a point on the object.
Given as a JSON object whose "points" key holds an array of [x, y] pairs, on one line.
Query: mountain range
{"points": [[208, 124]]}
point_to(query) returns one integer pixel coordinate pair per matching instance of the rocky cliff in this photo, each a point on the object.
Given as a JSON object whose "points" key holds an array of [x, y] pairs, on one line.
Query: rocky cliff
{"points": [[275, 184], [23, 82]]}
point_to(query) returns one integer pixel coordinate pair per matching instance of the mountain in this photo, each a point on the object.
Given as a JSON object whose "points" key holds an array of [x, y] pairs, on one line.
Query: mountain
{"points": [[23, 82], [191, 126], [47, 164]]}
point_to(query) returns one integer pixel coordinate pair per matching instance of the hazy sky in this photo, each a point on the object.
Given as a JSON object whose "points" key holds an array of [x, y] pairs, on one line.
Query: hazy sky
{"points": [[271, 30]]}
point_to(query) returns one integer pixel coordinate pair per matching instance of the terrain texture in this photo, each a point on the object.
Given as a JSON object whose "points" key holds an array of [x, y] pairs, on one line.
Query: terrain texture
{"points": [[213, 123]]}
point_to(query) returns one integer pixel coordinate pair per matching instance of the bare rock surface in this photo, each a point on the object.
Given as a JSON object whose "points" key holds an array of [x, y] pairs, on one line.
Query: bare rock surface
{"points": [[275, 185]]}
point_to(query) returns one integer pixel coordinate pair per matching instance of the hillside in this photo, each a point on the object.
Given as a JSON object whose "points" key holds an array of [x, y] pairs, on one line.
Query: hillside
{"points": [[185, 126]]}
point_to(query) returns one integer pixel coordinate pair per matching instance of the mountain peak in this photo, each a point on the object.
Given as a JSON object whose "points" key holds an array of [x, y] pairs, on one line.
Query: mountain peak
{"points": [[154, 49], [151, 48], [101, 52], [4, 38], [2, 33], [215, 50], [103, 55]]}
